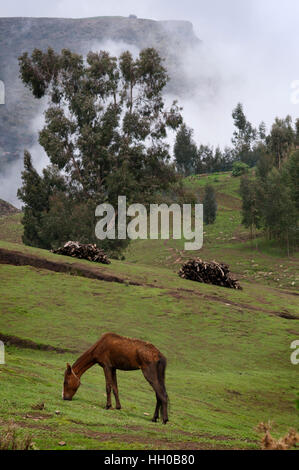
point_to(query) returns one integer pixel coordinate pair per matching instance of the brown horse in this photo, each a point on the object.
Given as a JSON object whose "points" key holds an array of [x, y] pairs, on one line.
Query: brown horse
{"points": [[118, 352]]}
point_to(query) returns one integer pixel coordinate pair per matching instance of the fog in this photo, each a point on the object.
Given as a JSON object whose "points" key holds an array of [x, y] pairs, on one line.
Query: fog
{"points": [[248, 54], [11, 178]]}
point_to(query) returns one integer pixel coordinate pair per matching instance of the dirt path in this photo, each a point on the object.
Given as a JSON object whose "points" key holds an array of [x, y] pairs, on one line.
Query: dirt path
{"points": [[28, 344], [22, 259]]}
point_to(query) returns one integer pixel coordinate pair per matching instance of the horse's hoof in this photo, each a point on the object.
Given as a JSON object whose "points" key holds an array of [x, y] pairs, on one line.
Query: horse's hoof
{"points": [[154, 420], [165, 421], [118, 407], [108, 407]]}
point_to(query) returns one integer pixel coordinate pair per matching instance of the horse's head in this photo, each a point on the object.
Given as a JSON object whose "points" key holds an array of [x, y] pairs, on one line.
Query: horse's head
{"points": [[71, 383]]}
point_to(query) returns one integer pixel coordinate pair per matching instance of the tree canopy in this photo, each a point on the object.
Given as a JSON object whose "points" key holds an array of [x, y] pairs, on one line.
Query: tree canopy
{"points": [[185, 150], [105, 127]]}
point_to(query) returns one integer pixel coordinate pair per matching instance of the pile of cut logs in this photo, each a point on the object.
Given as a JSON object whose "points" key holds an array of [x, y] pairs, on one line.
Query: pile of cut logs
{"points": [[209, 273], [79, 250]]}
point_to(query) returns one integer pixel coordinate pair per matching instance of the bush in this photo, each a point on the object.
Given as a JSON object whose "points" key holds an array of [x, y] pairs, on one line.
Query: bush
{"points": [[240, 168]]}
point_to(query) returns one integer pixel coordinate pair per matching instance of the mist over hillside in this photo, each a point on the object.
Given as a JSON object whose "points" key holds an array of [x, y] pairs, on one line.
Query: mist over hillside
{"points": [[18, 35], [22, 116], [208, 76]]}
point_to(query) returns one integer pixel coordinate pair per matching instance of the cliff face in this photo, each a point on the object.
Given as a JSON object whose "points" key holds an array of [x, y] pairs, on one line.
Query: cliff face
{"points": [[18, 35], [7, 209]]}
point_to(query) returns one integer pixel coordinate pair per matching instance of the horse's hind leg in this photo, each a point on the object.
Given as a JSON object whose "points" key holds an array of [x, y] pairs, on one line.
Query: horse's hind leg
{"points": [[151, 374], [161, 366], [115, 390], [157, 410]]}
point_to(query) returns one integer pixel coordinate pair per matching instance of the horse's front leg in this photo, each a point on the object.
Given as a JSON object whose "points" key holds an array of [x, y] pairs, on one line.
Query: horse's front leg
{"points": [[108, 378], [115, 390]]}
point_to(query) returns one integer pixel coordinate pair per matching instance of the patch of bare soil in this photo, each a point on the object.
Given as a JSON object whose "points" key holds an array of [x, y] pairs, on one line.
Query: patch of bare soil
{"points": [[35, 421], [131, 436], [287, 316], [293, 332], [37, 416], [30, 424], [228, 202], [162, 443]]}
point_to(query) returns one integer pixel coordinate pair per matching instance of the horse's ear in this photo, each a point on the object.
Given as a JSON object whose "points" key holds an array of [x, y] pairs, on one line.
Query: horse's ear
{"points": [[68, 368]]}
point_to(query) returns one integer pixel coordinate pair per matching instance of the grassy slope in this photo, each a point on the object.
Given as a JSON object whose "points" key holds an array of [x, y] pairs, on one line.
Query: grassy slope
{"points": [[226, 240], [11, 229], [228, 351]]}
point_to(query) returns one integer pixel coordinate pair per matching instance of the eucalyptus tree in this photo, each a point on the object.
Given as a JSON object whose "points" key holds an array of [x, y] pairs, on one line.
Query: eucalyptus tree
{"points": [[106, 124]]}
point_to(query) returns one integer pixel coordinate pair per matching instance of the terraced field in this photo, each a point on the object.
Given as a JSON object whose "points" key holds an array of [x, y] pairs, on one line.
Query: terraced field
{"points": [[228, 351]]}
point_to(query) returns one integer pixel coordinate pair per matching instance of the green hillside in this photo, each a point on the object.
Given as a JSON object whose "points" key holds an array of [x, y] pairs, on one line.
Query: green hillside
{"points": [[226, 240], [228, 351]]}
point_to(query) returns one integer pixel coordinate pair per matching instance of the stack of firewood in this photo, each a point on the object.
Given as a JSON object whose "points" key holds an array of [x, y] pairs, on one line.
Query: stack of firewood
{"points": [[209, 273], [79, 250]]}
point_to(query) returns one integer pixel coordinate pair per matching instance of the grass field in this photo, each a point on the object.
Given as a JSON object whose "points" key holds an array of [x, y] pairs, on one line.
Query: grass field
{"points": [[228, 351]]}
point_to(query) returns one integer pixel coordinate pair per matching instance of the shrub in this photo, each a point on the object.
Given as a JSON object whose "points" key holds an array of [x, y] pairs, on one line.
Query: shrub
{"points": [[240, 168]]}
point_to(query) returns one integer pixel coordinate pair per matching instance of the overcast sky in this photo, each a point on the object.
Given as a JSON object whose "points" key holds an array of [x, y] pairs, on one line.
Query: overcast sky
{"points": [[251, 44], [238, 19], [250, 49]]}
